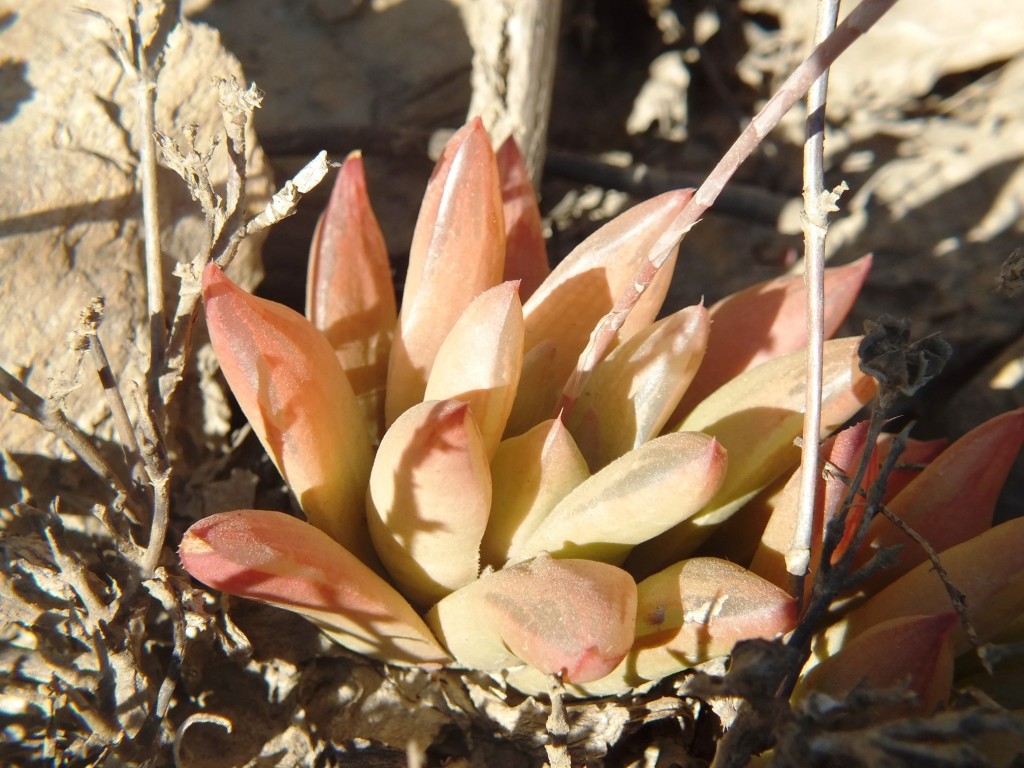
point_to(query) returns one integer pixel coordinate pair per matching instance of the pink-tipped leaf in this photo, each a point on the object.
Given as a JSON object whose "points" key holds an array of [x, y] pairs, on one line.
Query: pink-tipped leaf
{"points": [[911, 651], [280, 560], [631, 393], [756, 417], [700, 608], [289, 384], [530, 475], [574, 617], [766, 321], [633, 499], [480, 360], [954, 498], [457, 252], [349, 293]]}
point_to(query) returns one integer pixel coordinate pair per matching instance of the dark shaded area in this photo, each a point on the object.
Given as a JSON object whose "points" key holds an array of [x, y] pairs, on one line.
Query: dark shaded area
{"points": [[15, 88]]}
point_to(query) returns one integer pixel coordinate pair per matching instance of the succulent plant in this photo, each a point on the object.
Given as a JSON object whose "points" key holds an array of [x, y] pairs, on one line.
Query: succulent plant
{"points": [[473, 502]]}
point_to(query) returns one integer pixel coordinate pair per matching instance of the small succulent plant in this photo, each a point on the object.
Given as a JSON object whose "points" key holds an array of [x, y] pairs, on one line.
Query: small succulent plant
{"points": [[473, 502]]}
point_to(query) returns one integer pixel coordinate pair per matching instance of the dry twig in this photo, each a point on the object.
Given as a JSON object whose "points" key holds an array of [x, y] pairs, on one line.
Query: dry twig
{"points": [[817, 205], [50, 416]]}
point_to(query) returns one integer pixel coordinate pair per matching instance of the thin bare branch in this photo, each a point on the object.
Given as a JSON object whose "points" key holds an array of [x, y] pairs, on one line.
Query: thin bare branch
{"points": [[956, 597], [95, 721], [285, 201], [76, 575], [89, 320], [53, 420], [169, 598], [159, 470], [147, 60], [815, 221]]}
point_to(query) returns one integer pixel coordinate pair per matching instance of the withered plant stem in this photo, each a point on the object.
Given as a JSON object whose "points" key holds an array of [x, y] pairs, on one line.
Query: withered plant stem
{"points": [[815, 224], [91, 317], [146, 74], [752, 731], [77, 577], [831, 579], [853, 26], [158, 468], [52, 418], [557, 726], [956, 597]]}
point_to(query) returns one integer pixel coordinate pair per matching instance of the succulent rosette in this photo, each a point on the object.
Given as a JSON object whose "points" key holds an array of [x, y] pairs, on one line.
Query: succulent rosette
{"points": [[471, 502]]}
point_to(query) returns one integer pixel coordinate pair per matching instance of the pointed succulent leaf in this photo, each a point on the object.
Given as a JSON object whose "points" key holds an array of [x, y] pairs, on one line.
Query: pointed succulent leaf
{"points": [[480, 360], [349, 293], [766, 321], [954, 498], [526, 255], [988, 570], [631, 393], [917, 651], [574, 617], [756, 417], [429, 496], [289, 384], [457, 251], [582, 289], [698, 609], [634, 498], [280, 560], [530, 474]]}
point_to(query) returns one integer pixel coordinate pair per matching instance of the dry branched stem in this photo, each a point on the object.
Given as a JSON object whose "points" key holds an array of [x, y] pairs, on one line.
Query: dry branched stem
{"points": [[225, 217], [97, 724], [171, 601], [52, 418], [832, 579], [88, 330], [76, 577], [147, 68], [900, 367], [158, 468], [956, 597]]}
